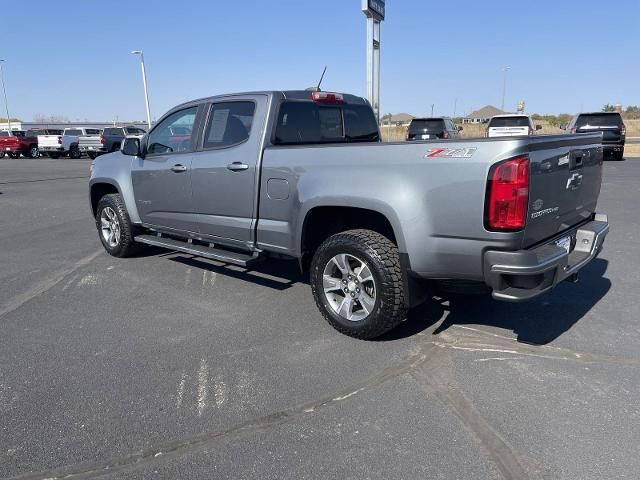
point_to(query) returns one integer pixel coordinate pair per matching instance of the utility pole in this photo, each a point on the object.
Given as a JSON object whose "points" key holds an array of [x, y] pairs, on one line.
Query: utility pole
{"points": [[504, 85], [455, 107], [374, 11], [4, 90], [432, 105], [144, 83]]}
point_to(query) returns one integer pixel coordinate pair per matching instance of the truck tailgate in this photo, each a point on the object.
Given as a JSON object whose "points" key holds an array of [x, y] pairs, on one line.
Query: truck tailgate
{"points": [[564, 184], [49, 141]]}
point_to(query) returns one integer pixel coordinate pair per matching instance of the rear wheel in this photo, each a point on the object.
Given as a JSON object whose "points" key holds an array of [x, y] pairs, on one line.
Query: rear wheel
{"points": [[618, 156], [357, 283], [114, 227], [33, 151], [92, 155], [1, 154], [74, 153], [14, 155], [115, 147]]}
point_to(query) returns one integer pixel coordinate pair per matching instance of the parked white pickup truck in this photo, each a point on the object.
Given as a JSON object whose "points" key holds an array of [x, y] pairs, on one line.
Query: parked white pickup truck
{"points": [[511, 126], [76, 138], [49, 142]]}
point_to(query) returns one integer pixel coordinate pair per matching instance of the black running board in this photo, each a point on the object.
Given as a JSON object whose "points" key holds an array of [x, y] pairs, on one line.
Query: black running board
{"points": [[219, 254]]}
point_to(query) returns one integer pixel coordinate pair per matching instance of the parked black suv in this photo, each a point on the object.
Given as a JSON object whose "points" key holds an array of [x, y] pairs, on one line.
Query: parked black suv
{"points": [[112, 137], [432, 129], [609, 123]]}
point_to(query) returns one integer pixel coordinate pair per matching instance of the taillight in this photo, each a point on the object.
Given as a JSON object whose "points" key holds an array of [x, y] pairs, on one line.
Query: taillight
{"points": [[530, 131], [508, 195], [327, 97], [59, 140], [101, 140], [623, 129]]}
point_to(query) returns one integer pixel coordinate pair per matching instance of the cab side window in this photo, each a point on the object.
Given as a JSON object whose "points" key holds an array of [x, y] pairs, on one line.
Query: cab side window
{"points": [[229, 124], [173, 134]]}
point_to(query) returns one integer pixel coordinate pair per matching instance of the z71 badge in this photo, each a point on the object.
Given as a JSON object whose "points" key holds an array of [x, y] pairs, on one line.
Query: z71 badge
{"points": [[451, 152]]}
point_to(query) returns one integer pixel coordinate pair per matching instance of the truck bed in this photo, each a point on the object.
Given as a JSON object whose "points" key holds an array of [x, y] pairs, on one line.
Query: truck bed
{"points": [[432, 189]]}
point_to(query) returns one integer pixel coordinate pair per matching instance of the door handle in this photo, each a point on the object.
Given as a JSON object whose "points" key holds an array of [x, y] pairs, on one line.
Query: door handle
{"points": [[237, 166], [178, 168]]}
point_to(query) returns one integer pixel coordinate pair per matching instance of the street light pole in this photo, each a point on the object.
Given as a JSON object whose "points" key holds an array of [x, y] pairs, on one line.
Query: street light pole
{"points": [[432, 105], [504, 85], [144, 82], [4, 90]]}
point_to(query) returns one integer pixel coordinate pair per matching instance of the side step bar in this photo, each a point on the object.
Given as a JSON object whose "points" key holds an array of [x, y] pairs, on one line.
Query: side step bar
{"points": [[219, 254]]}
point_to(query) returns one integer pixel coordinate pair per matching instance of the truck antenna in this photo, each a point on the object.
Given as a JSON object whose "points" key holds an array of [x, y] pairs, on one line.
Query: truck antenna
{"points": [[321, 78]]}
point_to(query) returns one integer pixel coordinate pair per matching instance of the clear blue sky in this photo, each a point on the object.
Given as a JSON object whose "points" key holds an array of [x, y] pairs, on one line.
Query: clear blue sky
{"points": [[72, 57]]}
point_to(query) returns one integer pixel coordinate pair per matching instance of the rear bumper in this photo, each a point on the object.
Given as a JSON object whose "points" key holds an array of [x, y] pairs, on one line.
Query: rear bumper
{"points": [[525, 274], [91, 148], [51, 149]]}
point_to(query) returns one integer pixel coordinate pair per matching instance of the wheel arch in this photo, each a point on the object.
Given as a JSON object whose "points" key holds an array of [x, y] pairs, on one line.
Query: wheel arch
{"points": [[99, 189], [323, 220]]}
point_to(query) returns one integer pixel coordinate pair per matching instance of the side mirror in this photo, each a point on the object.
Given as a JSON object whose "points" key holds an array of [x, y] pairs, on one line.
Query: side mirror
{"points": [[563, 126], [131, 146], [460, 129], [538, 127]]}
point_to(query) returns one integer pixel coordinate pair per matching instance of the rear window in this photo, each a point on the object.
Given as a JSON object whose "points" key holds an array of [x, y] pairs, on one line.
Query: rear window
{"points": [[137, 131], [33, 133], [509, 122], [308, 122], [4, 133], [18, 133], [51, 132], [599, 120], [93, 131], [73, 132], [426, 125]]}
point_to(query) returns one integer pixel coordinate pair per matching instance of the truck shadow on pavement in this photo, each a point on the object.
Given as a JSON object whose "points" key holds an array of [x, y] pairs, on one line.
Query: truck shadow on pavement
{"points": [[541, 320], [269, 273], [537, 322]]}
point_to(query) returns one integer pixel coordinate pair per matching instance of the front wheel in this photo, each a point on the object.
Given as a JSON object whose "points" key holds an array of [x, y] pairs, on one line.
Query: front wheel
{"points": [[357, 283], [114, 227], [14, 155]]}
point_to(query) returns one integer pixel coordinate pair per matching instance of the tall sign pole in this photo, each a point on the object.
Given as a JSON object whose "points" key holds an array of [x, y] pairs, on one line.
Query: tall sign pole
{"points": [[374, 11]]}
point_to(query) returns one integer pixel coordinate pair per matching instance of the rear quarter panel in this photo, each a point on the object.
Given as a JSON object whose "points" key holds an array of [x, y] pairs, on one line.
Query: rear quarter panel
{"points": [[434, 204]]}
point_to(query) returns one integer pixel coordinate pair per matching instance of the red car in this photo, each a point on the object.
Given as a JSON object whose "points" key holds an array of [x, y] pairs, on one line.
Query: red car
{"points": [[16, 142]]}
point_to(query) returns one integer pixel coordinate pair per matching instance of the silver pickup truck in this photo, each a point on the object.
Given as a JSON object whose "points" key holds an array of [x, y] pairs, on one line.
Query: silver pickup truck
{"points": [[303, 174]]}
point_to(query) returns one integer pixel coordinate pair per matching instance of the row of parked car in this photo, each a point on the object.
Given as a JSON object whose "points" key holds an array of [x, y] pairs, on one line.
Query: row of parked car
{"points": [[609, 123], [72, 142]]}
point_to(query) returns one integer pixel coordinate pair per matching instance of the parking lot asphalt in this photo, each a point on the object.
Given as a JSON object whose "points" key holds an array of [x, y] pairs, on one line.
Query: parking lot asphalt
{"points": [[168, 366]]}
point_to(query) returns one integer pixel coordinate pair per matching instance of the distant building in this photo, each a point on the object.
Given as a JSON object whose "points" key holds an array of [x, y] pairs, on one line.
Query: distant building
{"points": [[483, 115], [397, 120]]}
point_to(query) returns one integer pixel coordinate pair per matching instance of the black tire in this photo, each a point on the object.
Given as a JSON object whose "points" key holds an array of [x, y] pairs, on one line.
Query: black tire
{"points": [[33, 151], [115, 147], [126, 246], [14, 155], [1, 154], [383, 259], [92, 155], [618, 156], [74, 152], [54, 155]]}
